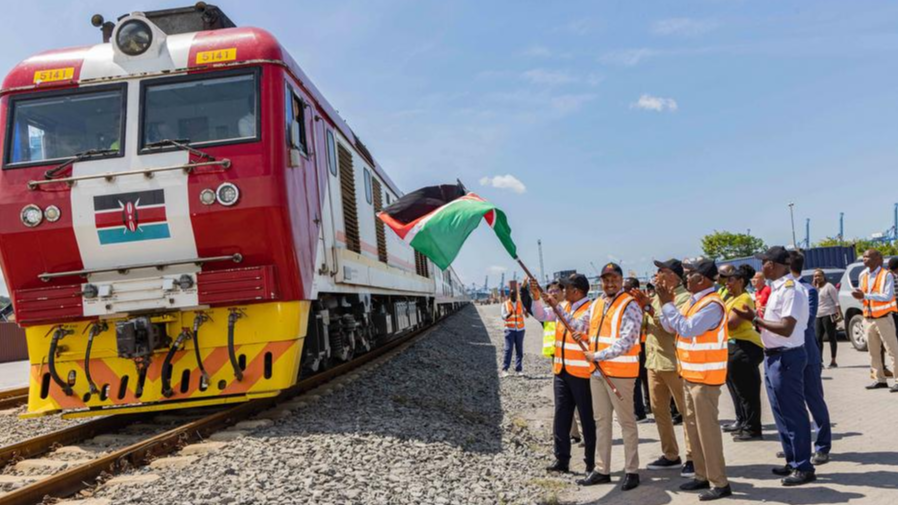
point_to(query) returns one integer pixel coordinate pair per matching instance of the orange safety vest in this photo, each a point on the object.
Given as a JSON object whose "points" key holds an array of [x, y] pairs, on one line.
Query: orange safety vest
{"points": [[605, 329], [515, 320], [703, 360], [874, 309], [569, 355]]}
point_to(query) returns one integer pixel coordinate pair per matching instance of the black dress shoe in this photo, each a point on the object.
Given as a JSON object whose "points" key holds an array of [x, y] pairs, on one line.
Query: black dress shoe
{"points": [[895, 388], [716, 493], [732, 428], [594, 478], [820, 458], [664, 463], [782, 471], [695, 485], [798, 478], [877, 385], [630, 481], [747, 436], [558, 466]]}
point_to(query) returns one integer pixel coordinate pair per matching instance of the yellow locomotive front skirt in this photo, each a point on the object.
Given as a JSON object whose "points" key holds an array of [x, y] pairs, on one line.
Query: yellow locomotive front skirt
{"points": [[268, 344]]}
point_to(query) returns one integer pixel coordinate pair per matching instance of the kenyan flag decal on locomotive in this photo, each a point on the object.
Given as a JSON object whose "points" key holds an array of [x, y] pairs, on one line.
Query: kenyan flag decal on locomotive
{"points": [[437, 220], [131, 217]]}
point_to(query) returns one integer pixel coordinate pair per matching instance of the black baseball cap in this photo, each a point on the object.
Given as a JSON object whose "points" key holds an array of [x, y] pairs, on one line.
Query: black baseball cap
{"points": [[674, 265], [611, 268], [777, 254], [578, 281], [704, 267]]}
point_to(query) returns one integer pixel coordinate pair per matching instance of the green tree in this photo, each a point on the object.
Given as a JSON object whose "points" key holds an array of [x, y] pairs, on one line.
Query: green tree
{"points": [[724, 245], [861, 245]]}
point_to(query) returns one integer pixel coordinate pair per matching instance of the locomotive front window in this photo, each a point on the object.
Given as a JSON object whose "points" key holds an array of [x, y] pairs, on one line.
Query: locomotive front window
{"points": [[52, 128], [206, 110]]}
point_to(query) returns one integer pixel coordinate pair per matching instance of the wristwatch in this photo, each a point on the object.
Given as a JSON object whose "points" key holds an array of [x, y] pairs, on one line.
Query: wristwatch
{"points": [[647, 308]]}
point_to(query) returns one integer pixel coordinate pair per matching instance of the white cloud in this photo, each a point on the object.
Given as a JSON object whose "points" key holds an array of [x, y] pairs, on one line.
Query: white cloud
{"points": [[537, 51], [566, 104], [548, 77], [507, 181], [655, 103], [627, 57], [684, 27]]}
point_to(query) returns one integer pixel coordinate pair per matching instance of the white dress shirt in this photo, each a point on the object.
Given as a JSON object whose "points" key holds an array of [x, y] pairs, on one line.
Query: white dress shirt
{"points": [[788, 299], [706, 319], [886, 293]]}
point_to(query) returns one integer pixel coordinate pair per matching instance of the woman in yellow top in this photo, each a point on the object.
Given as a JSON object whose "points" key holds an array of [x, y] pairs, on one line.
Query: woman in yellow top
{"points": [[745, 354]]}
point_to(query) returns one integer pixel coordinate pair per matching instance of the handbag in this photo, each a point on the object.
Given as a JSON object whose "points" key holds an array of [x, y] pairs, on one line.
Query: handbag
{"points": [[836, 318]]}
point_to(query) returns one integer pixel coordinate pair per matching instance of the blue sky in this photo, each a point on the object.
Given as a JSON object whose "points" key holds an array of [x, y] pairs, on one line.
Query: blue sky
{"points": [[629, 129]]}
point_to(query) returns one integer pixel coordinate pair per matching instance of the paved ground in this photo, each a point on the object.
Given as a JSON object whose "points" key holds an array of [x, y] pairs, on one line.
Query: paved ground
{"points": [[863, 470], [13, 375]]}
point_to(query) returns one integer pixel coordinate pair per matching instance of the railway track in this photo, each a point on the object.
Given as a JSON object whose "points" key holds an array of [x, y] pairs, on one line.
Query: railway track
{"points": [[12, 398], [80, 472]]}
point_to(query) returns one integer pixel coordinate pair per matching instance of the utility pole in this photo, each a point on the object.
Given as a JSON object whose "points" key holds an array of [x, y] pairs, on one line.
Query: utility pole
{"points": [[808, 243], [840, 236], [793, 224], [540, 251]]}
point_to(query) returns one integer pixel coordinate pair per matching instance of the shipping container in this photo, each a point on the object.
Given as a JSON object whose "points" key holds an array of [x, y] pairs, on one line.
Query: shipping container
{"points": [[12, 343], [816, 257]]}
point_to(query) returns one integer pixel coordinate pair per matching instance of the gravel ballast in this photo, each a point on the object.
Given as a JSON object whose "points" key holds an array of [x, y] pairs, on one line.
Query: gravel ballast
{"points": [[434, 425]]}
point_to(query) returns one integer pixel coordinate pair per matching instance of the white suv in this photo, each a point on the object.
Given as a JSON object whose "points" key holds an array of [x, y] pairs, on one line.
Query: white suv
{"points": [[853, 317]]}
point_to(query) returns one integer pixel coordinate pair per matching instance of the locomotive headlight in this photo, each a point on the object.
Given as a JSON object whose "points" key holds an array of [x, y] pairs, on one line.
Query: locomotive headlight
{"points": [[227, 194], [134, 37], [207, 197], [31, 215], [51, 213]]}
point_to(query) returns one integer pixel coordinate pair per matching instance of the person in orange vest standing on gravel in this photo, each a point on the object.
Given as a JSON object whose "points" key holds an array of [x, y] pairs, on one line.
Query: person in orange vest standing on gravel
{"points": [[877, 293], [702, 363], [571, 381], [513, 320], [614, 328]]}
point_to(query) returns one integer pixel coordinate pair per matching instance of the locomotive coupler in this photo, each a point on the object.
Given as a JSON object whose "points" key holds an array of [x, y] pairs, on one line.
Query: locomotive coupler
{"points": [[234, 315], [59, 333]]}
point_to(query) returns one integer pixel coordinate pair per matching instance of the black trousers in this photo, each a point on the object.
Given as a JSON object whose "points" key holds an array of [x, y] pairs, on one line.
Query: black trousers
{"points": [[744, 381], [641, 389], [825, 327], [573, 393]]}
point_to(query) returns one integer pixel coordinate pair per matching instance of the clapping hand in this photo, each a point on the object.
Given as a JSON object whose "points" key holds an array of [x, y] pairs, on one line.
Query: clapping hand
{"points": [[744, 313], [665, 290], [640, 297]]}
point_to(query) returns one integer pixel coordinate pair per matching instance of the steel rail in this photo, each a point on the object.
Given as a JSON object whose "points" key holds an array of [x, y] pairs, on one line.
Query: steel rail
{"points": [[12, 398], [69, 482], [146, 172]]}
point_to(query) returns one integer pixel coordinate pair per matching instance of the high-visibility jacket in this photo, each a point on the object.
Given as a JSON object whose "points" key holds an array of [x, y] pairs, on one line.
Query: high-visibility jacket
{"points": [[569, 355], [515, 318], [549, 339], [873, 308], [605, 329], [703, 360]]}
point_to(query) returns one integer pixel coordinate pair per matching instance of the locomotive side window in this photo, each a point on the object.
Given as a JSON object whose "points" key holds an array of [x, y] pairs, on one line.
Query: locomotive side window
{"points": [[54, 126], [332, 154], [296, 121], [200, 110], [367, 186]]}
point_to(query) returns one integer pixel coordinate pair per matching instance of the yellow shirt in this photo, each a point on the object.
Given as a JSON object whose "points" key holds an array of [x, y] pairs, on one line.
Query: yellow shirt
{"points": [[745, 331]]}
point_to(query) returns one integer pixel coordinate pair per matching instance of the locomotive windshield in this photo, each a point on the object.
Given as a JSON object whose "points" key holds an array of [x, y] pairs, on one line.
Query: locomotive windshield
{"points": [[62, 126], [207, 110]]}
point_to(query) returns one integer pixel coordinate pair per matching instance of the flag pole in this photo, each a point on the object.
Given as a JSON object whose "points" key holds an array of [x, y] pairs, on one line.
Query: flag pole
{"points": [[561, 319]]}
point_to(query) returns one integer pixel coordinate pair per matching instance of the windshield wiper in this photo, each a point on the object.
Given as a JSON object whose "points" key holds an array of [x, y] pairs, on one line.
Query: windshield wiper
{"points": [[90, 153], [180, 144]]}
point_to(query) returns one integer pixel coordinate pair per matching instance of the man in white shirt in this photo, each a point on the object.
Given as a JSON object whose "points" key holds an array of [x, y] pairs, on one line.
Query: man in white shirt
{"points": [[876, 291], [783, 334]]}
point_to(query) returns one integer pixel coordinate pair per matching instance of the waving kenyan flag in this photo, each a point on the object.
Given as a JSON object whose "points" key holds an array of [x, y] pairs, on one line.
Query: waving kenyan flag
{"points": [[437, 220]]}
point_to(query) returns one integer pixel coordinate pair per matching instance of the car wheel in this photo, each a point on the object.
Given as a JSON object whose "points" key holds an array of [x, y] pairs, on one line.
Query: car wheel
{"points": [[856, 333]]}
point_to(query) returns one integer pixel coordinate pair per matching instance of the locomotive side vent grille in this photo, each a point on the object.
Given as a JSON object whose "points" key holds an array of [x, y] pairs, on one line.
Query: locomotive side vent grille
{"points": [[379, 225], [421, 264], [348, 197]]}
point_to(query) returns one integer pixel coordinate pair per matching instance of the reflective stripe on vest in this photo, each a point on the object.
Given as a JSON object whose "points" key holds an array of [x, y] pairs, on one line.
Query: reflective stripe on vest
{"points": [[872, 308], [549, 339], [703, 360], [605, 329], [515, 319], [569, 356]]}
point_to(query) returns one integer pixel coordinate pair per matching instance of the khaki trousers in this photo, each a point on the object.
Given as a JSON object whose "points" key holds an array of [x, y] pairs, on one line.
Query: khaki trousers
{"points": [[604, 403], [663, 386], [701, 420], [881, 333]]}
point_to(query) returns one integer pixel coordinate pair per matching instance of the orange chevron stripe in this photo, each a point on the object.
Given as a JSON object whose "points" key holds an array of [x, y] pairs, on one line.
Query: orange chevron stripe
{"points": [[255, 368]]}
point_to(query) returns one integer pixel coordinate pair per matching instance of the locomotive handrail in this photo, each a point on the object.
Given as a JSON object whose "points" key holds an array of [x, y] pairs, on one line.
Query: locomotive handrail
{"points": [[159, 265], [146, 172]]}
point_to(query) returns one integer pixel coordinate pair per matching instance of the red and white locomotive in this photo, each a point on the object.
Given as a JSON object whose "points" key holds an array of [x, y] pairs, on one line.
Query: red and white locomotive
{"points": [[187, 221]]}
